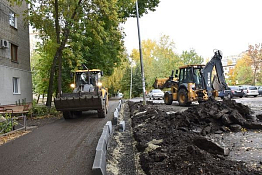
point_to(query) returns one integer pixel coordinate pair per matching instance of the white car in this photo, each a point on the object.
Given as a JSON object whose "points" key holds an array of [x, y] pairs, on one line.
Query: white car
{"points": [[250, 90], [156, 94], [120, 95]]}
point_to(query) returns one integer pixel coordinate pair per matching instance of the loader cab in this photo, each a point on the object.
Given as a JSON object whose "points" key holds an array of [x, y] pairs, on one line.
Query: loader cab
{"points": [[191, 74], [91, 77]]}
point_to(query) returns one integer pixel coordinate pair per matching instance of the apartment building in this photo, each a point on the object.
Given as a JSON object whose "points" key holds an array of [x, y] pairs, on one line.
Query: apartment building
{"points": [[229, 62], [15, 71]]}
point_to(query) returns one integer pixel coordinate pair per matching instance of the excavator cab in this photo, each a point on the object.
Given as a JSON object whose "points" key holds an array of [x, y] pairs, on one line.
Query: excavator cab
{"points": [[191, 74]]}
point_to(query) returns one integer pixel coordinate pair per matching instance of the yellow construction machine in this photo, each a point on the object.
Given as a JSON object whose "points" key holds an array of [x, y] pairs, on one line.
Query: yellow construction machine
{"points": [[88, 94], [193, 82]]}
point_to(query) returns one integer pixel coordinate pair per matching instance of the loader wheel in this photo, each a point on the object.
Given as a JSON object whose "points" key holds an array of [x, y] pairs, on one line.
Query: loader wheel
{"points": [[70, 114], [168, 98], [182, 97], [101, 113]]}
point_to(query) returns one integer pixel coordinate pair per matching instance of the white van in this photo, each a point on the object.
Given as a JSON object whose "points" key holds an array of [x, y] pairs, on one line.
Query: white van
{"points": [[250, 90]]}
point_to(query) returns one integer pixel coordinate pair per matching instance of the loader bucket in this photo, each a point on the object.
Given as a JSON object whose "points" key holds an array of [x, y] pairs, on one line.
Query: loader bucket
{"points": [[76, 102]]}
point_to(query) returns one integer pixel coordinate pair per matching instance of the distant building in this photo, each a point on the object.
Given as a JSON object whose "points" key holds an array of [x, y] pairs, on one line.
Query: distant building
{"points": [[229, 63], [15, 71]]}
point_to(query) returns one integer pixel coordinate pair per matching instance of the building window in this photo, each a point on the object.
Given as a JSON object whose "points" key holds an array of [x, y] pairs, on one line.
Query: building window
{"points": [[13, 19], [14, 49], [16, 85]]}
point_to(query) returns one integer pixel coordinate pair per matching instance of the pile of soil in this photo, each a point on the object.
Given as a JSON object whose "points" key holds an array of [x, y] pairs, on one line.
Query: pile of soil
{"points": [[175, 143]]}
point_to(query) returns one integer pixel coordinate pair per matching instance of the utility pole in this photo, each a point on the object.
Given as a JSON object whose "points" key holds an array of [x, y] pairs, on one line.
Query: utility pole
{"points": [[141, 56], [131, 82]]}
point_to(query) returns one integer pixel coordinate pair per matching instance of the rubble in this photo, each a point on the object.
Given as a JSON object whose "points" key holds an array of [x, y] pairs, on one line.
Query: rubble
{"points": [[185, 147]]}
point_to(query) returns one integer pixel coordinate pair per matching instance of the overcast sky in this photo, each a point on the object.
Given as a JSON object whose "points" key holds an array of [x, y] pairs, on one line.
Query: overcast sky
{"points": [[204, 25]]}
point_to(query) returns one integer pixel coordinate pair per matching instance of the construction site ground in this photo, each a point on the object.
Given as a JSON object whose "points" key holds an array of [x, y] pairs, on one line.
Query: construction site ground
{"points": [[216, 137]]}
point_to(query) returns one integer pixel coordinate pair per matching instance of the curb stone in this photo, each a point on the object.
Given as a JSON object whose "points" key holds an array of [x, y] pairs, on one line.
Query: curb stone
{"points": [[99, 164]]}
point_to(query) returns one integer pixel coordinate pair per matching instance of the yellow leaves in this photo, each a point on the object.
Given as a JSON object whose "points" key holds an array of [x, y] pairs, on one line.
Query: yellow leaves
{"points": [[8, 137]]}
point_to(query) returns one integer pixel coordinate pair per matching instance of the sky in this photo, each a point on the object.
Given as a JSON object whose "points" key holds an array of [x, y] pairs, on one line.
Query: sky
{"points": [[203, 25]]}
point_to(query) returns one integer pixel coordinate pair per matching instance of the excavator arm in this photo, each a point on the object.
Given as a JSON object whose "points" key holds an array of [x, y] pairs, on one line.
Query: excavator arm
{"points": [[207, 73]]}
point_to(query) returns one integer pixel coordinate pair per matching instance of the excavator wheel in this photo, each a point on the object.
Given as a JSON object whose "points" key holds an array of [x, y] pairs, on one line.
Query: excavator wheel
{"points": [[182, 97], [168, 98]]}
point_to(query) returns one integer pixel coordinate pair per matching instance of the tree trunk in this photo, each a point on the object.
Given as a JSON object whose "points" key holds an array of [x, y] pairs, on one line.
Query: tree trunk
{"points": [[51, 81], [43, 99], [59, 78], [37, 101], [58, 55]]}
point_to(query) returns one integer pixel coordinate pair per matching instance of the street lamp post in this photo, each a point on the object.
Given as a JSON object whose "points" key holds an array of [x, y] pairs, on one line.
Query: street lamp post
{"points": [[141, 56]]}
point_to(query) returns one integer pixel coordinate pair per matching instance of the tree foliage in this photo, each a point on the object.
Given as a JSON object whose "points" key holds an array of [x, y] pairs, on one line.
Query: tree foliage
{"points": [[113, 82], [127, 7], [159, 59], [41, 61], [243, 70], [232, 79], [191, 57], [255, 53], [83, 32]]}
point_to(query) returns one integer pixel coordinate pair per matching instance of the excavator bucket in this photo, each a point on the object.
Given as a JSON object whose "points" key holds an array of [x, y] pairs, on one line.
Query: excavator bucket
{"points": [[160, 83], [76, 102]]}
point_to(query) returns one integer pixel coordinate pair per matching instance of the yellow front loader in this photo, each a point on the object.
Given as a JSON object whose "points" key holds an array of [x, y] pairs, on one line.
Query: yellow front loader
{"points": [[88, 94]]}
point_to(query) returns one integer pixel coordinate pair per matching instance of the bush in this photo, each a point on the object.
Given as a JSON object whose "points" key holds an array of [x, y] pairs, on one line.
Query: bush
{"points": [[7, 126], [43, 110]]}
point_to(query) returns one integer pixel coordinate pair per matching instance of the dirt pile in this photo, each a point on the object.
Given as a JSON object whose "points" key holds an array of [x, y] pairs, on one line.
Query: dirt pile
{"points": [[171, 142]]}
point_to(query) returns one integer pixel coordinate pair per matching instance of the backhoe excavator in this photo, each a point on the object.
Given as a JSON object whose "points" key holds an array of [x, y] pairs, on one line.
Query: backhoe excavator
{"points": [[193, 82]]}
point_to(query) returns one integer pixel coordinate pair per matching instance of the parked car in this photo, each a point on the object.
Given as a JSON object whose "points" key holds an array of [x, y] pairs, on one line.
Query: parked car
{"points": [[225, 94], [120, 95], [250, 90], [259, 90], [236, 91], [156, 94]]}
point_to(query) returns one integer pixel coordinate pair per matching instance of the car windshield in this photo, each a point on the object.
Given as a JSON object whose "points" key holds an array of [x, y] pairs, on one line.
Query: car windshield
{"points": [[252, 88], [156, 91]]}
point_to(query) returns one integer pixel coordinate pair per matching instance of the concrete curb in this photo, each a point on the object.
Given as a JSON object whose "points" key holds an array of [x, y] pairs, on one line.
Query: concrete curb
{"points": [[115, 118], [122, 126], [99, 164]]}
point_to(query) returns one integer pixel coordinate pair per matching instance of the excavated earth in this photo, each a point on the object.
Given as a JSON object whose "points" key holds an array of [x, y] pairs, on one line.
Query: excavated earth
{"points": [[191, 142]]}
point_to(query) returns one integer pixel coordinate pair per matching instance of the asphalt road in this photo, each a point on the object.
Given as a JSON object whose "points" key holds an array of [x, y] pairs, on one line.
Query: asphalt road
{"points": [[64, 147]]}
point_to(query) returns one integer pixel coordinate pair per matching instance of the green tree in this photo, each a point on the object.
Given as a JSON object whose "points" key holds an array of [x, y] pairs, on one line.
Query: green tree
{"points": [[191, 57], [126, 82], [244, 75], [159, 59], [41, 62], [113, 82], [243, 71], [90, 28], [259, 78], [137, 87], [127, 7]]}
